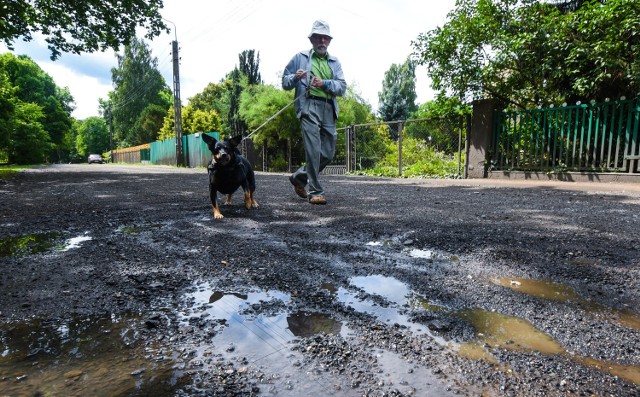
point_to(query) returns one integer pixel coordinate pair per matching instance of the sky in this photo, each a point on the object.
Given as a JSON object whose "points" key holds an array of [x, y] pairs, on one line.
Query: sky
{"points": [[368, 37]]}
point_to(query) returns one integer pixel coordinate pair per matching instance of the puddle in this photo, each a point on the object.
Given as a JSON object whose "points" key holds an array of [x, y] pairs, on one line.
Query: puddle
{"points": [[249, 333], [257, 324], [256, 329], [388, 287], [36, 243], [493, 329], [630, 373], [550, 290], [88, 356], [511, 333], [474, 351], [398, 300], [546, 289], [27, 245], [393, 290], [418, 380], [417, 302], [628, 319]]}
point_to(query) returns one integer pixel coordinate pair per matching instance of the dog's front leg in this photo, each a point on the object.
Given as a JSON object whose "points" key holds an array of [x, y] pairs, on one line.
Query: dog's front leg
{"points": [[247, 199], [214, 204]]}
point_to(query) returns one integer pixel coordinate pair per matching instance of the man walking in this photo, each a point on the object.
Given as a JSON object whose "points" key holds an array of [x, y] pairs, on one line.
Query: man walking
{"points": [[318, 79]]}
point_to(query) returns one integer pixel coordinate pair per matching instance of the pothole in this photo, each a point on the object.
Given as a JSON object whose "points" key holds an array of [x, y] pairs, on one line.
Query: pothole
{"points": [[97, 356]]}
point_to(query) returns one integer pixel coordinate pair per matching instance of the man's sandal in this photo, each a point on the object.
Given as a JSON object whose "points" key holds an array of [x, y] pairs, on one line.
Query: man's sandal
{"points": [[317, 200]]}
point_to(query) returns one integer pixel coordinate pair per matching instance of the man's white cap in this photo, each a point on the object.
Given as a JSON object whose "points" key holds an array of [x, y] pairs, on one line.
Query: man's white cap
{"points": [[320, 27]]}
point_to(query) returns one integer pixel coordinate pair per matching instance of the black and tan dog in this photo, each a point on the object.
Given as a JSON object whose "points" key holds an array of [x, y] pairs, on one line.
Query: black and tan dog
{"points": [[229, 170]]}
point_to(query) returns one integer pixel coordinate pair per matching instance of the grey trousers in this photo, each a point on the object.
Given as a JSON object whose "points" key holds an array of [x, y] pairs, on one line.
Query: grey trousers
{"points": [[319, 137]]}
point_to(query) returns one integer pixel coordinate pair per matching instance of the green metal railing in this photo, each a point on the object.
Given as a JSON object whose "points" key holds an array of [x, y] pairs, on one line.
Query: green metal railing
{"points": [[596, 137]]}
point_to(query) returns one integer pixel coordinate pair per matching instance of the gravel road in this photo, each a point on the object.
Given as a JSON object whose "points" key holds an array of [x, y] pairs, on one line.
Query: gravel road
{"points": [[117, 281]]}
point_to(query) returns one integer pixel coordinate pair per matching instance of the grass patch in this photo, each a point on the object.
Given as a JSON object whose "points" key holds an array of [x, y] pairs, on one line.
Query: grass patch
{"points": [[7, 171]]}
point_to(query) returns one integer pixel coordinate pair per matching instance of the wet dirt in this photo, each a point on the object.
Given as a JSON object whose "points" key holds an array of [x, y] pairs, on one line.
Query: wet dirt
{"points": [[117, 281]]}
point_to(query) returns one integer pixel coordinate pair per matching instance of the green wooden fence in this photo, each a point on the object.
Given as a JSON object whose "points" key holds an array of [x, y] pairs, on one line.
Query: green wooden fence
{"points": [[195, 151], [595, 137]]}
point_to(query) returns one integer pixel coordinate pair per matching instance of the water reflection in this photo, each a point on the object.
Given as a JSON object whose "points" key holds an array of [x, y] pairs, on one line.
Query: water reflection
{"points": [[82, 356], [305, 324], [216, 296], [251, 331]]}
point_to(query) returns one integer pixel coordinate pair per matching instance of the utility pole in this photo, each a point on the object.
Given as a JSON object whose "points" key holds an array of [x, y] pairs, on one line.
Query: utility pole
{"points": [[177, 106], [110, 121]]}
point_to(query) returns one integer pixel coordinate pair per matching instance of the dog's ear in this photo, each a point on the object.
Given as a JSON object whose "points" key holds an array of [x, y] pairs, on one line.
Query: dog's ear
{"points": [[210, 141], [235, 141]]}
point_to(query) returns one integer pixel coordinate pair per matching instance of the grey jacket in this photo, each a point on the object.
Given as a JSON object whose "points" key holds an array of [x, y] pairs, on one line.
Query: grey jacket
{"points": [[302, 60]]}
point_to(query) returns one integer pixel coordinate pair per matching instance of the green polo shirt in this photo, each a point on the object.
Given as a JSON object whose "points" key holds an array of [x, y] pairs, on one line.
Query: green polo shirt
{"points": [[320, 68]]}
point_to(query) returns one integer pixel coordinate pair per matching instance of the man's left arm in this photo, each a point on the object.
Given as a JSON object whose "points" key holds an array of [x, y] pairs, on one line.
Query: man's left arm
{"points": [[337, 85]]}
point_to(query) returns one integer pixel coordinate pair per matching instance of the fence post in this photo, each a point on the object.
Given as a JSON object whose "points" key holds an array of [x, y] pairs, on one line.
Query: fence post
{"points": [[467, 123], [480, 137], [400, 148], [347, 149]]}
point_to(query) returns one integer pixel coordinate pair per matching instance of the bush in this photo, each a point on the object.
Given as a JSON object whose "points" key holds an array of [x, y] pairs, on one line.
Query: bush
{"points": [[418, 160]]}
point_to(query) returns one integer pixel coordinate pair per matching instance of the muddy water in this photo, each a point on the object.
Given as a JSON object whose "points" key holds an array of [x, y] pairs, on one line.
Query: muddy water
{"points": [[82, 357], [509, 332], [493, 329], [550, 290]]}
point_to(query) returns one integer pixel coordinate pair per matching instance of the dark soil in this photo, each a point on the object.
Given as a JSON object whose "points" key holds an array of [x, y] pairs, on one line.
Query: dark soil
{"points": [[394, 288]]}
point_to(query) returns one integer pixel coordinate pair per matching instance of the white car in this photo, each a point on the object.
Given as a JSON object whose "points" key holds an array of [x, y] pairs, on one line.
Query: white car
{"points": [[95, 158]]}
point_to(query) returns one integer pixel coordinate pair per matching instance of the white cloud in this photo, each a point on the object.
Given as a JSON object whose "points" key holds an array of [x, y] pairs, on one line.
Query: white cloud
{"points": [[369, 36]]}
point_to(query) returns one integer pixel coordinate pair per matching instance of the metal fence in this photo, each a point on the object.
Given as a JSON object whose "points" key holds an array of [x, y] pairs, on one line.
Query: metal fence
{"points": [[601, 137], [417, 147], [392, 147]]}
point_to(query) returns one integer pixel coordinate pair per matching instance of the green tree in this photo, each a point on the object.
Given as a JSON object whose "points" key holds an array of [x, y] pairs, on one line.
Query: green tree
{"points": [[29, 143], [140, 97], [7, 109], [148, 125], [250, 66], [92, 137], [213, 97], [80, 26], [246, 74], [530, 53], [237, 126], [193, 120], [32, 85], [398, 96], [196, 120], [261, 102]]}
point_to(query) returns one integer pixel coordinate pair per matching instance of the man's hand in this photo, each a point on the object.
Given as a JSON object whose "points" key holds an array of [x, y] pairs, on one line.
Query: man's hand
{"points": [[300, 74], [317, 82]]}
